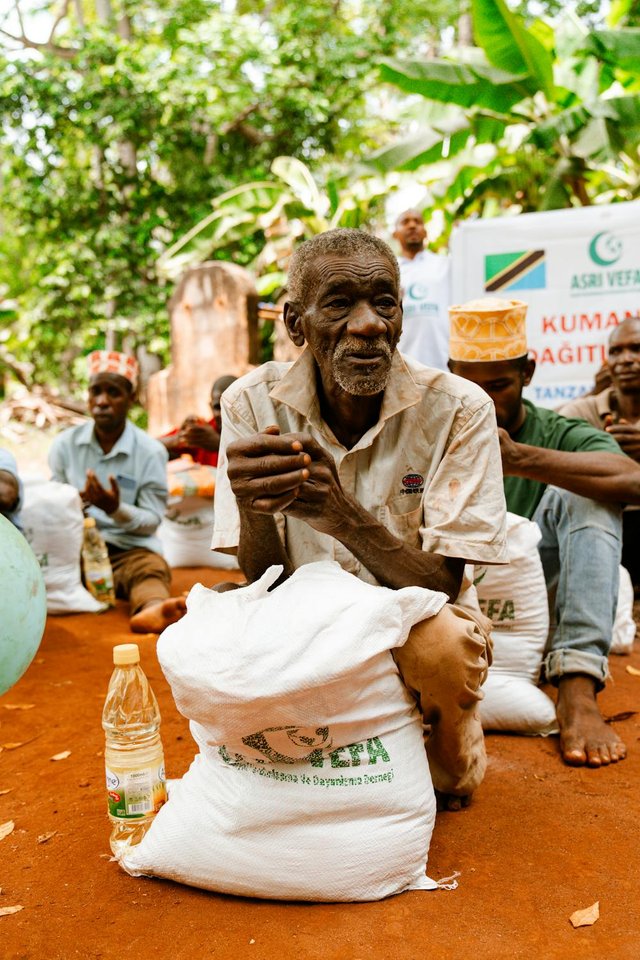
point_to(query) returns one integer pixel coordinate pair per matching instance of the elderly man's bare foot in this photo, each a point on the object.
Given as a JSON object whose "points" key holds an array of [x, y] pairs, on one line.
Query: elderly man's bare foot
{"points": [[157, 615], [585, 739], [451, 802]]}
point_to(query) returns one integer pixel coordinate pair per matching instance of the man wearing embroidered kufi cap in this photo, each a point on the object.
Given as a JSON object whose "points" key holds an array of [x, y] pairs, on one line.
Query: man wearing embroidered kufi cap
{"points": [[570, 479], [121, 475]]}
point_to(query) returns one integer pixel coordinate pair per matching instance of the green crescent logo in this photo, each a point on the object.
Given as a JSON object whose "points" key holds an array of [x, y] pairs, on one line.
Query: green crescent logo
{"points": [[605, 249]]}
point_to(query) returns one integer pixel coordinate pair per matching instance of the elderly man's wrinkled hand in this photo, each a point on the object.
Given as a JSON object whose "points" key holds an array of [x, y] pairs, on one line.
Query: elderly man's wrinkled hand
{"points": [[320, 500], [266, 471]]}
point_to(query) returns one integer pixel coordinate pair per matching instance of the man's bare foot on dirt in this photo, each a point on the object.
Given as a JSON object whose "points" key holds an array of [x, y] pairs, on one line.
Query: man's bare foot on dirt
{"points": [[157, 615], [585, 739], [451, 802]]}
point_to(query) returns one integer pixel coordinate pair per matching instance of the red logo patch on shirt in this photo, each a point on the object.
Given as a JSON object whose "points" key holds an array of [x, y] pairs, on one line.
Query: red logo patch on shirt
{"points": [[412, 481]]}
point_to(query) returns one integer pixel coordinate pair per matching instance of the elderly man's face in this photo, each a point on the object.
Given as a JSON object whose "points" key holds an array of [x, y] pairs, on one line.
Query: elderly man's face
{"points": [[352, 321], [624, 357]]}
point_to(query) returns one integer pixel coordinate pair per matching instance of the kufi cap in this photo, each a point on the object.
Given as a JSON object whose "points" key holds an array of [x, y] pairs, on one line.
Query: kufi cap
{"points": [[110, 361], [487, 330]]}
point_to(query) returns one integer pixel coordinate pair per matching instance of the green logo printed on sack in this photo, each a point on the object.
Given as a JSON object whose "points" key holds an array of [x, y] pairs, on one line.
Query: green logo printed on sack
{"points": [[290, 744], [340, 757], [498, 610], [270, 744], [375, 750]]}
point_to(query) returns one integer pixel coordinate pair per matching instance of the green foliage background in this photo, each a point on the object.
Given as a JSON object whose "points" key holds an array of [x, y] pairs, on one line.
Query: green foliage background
{"points": [[202, 99], [119, 132]]}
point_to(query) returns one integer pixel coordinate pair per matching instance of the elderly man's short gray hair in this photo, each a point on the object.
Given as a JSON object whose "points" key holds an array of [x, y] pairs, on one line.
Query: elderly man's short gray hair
{"points": [[340, 242]]}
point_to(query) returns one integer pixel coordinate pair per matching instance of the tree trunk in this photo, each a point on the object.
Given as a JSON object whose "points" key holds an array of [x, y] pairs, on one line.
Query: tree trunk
{"points": [[465, 30], [79, 13], [104, 11]]}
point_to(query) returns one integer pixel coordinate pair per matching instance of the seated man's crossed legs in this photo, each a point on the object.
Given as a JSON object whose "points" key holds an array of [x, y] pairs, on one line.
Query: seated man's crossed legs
{"points": [[143, 578]]}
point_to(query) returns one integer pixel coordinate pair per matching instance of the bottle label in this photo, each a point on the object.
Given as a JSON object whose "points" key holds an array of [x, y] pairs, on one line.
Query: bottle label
{"points": [[136, 793], [99, 583]]}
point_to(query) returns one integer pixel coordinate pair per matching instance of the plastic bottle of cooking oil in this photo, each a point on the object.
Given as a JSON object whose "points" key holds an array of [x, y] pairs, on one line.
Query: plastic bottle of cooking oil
{"points": [[134, 760], [98, 574]]}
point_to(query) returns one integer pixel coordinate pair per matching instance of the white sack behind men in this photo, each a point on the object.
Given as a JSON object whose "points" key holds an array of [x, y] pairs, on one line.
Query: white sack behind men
{"points": [[52, 521], [624, 626], [312, 781], [514, 597]]}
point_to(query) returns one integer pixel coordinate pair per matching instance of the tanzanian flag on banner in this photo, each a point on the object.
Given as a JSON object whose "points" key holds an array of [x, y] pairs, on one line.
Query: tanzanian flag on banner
{"points": [[525, 270]]}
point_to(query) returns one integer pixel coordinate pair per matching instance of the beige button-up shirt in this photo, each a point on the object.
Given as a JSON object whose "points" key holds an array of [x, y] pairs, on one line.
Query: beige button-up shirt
{"points": [[429, 470], [593, 408]]}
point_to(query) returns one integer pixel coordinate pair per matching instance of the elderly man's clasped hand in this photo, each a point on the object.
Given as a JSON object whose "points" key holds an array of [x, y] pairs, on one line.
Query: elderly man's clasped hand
{"points": [[289, 474]]}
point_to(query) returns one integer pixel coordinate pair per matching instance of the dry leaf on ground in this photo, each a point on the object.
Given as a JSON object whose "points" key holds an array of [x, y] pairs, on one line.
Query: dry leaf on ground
{"points": [[46, 836], [619, 717], [61, 756], [6, 829], [6, 911], [633, 671], [18, 706], [22, 743], [586, 917]]}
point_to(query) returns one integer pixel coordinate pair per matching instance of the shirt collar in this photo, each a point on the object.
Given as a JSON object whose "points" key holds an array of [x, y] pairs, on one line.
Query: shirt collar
{"points": [[297, 389], [124, 443], [604, 402], [420, 255]]}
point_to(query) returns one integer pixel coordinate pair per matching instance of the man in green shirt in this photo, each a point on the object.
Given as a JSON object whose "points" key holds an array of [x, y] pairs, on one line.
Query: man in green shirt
{"points": [[572, 480]]}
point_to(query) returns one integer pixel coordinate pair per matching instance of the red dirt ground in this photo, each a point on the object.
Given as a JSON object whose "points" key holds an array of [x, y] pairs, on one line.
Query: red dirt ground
{"points": [[539, 842]]}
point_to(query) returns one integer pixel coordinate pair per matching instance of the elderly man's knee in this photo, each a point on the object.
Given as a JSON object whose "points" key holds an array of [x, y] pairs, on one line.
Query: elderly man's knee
{"points": [[450, 650]]}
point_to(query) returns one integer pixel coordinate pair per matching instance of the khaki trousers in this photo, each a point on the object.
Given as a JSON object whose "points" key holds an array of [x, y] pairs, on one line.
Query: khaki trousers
{"points": [[444, 663], [139, 576]]}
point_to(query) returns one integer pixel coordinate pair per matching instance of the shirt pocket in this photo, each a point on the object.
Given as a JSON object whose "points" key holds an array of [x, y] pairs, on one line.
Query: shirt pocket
{"points": [[128, 488], [403, 518]]}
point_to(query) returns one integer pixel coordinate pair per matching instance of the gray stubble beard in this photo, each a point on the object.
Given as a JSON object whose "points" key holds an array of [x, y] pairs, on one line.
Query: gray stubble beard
{"points": [[372, 384]]}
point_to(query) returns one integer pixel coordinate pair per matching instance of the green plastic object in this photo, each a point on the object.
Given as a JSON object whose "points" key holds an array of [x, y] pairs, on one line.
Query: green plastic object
{"points": [[23, 605]]}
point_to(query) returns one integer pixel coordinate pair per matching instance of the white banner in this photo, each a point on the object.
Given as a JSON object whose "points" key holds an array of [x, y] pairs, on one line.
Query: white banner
{"points": [[579, 271]]}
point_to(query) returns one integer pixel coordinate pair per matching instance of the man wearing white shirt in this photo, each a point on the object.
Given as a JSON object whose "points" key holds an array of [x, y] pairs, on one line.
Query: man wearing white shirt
{"points": [[425, 280]]}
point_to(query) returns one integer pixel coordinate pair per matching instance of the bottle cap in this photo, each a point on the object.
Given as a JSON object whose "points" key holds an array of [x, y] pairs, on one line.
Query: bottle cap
{"points": [[89, 522], [126, 653]]}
